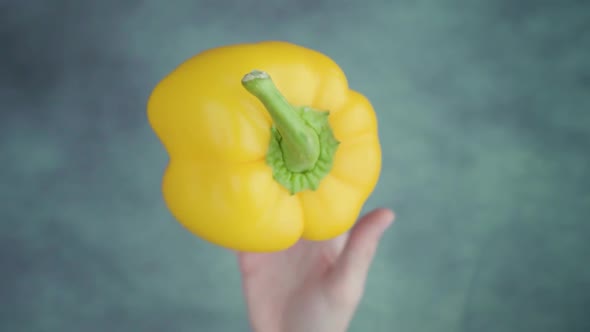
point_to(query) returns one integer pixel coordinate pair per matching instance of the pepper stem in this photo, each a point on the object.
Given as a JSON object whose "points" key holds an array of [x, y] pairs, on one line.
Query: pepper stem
{"points": [[299, 143]]}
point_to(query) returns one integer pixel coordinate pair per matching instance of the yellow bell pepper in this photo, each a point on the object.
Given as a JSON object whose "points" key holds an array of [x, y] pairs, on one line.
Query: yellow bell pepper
{"points": [[267, 145]]}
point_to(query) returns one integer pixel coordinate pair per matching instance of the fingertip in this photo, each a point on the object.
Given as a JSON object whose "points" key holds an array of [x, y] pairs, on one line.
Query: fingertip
{"points": [[388, 215], [384, 215], [386, 219]]}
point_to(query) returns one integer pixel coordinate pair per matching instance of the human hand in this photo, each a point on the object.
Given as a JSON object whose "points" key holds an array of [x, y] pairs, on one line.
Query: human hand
{"points": [[312, 286]]}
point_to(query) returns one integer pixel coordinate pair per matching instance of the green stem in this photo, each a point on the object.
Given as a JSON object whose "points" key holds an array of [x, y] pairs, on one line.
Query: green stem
{"points": [[299, 142]]}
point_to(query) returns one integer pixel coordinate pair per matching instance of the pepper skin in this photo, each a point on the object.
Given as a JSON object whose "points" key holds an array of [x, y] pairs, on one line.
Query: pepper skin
{"points": [[267, 145]]}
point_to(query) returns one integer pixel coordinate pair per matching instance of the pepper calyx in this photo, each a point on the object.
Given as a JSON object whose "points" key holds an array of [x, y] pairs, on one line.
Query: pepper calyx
{"points": [[302, 145]]}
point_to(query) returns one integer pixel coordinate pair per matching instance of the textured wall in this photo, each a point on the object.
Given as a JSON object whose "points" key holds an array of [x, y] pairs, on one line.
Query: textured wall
{"points": [[484, 111]]}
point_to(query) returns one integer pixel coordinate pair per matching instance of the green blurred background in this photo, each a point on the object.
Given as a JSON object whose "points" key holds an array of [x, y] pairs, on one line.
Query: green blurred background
{"points": [[484, 110]]}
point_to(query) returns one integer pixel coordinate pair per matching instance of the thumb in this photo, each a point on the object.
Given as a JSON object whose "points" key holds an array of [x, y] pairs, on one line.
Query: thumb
{"points": [[351, 269]]}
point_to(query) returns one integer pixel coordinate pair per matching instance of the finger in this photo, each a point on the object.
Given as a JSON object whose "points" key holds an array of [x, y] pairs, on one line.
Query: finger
{"points": [[335, 247], [249, 262], [362, 244], [352, 267]]}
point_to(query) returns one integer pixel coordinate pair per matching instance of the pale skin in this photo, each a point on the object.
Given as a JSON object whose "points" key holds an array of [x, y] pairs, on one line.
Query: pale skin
{"points": [[312, 286]]}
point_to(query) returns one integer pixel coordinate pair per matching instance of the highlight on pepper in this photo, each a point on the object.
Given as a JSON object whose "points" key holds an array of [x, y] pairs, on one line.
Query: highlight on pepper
{"points": [[267, 145]]}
